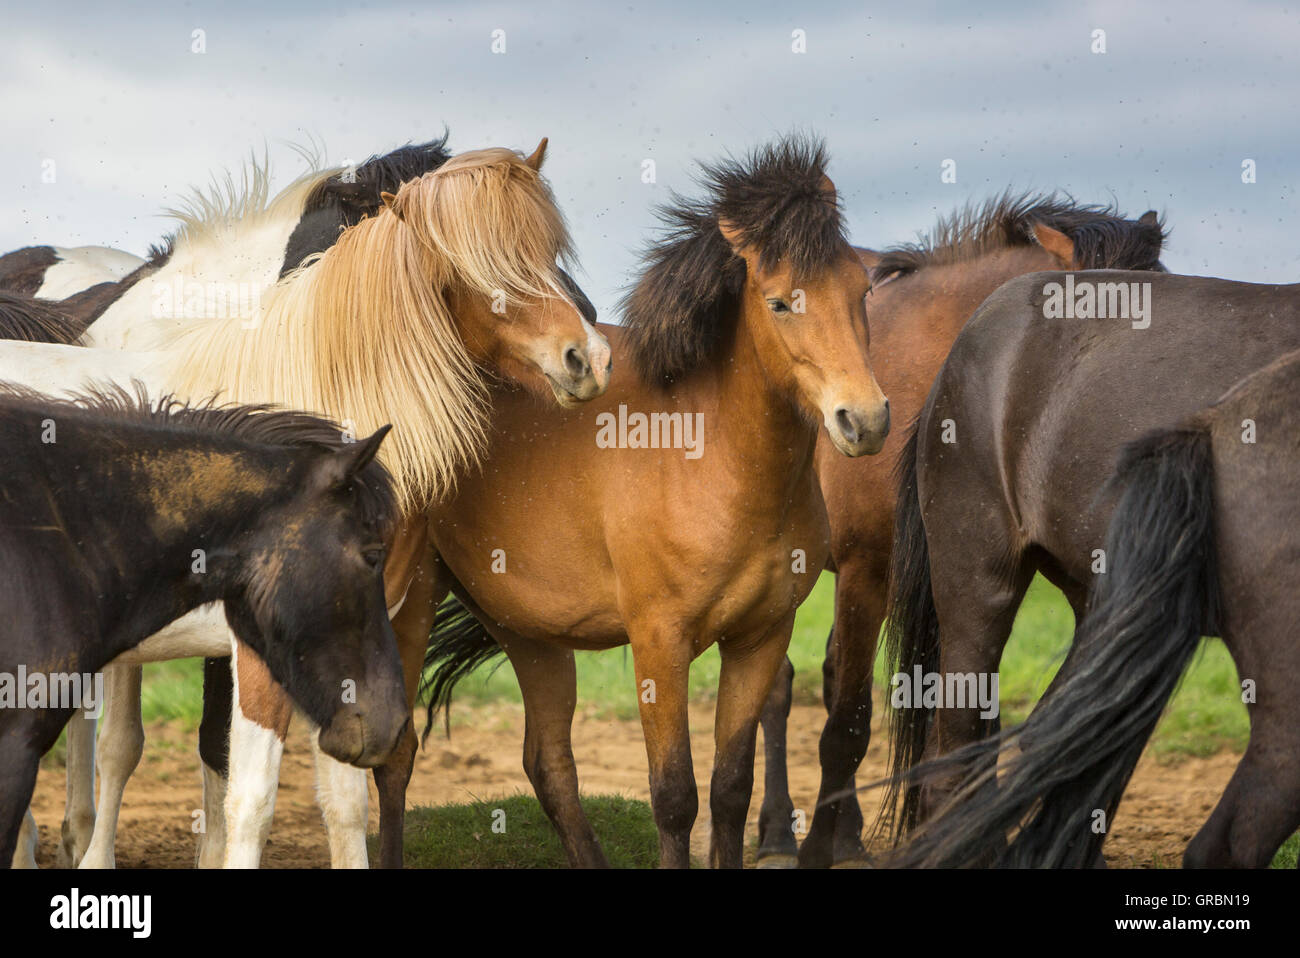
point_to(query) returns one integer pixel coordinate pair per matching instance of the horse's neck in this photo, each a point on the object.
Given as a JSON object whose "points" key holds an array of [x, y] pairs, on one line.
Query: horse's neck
{"points": [[761, 429]]}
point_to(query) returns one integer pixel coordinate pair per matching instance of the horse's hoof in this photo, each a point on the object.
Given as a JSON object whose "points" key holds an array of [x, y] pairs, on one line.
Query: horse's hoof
{"points": [[860, 862], [777, 860]]}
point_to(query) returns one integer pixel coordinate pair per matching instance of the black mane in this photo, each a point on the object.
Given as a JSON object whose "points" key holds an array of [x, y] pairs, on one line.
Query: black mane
{"points": [[1103, 238], [103, 407], [347, 198], [678, 313], [32, 320]]}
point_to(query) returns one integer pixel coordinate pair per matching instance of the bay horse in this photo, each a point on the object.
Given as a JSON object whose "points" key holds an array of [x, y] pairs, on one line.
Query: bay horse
{"points": [[922, 295], [748, 332], [1006, 471], [1199, 503], [120, 515], [398, 320]]}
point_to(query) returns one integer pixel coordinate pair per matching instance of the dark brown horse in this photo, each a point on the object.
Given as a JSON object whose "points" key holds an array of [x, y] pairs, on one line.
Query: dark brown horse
{"points": [[1006, 473], [923, 294], [1205, 539], [586, 531]]}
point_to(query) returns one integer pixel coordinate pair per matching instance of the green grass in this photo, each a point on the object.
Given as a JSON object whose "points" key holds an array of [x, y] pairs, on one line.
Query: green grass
{"points": [[463, 836]]}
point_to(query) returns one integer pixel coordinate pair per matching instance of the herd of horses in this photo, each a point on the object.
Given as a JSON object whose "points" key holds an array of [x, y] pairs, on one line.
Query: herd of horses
{"points": [[190, 479]]}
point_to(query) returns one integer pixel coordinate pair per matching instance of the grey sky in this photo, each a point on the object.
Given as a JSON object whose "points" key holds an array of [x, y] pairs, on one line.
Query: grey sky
{"points": [[1162, 120]]}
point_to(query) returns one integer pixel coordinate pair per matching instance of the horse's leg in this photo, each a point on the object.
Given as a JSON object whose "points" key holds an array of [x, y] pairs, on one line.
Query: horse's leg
{"points": [[548, 680], [19, 763], [977, 594], [776, 842], [662, 658], [836, 831], [344, 800], [28, 839], [259, 721], [1260, 808], [412, 625], [214, 759], [121, 744], [79, 806], [748, 670]]}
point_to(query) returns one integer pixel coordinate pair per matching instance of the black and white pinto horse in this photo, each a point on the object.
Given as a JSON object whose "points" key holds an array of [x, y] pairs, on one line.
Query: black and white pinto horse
{"points": [[118, 515]]}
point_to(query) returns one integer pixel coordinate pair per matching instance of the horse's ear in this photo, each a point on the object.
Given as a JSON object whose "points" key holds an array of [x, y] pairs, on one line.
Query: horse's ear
{"points": [[342, 466], [539, 154], [869, 257], [390, 202], [1149, 218], [1057, 243], [734, 236]]}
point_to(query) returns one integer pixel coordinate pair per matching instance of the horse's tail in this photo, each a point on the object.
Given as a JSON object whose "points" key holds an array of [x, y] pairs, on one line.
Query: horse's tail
{"points": [[1079, 747], [458, 645], [911, 640]]}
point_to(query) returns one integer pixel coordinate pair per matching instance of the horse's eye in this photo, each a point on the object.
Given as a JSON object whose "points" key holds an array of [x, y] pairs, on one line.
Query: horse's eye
{"points": [[374, 557], [778, 306]]}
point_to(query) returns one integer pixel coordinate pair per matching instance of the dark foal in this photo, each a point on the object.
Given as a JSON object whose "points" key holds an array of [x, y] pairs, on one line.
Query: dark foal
{"points": [[119, 516]]}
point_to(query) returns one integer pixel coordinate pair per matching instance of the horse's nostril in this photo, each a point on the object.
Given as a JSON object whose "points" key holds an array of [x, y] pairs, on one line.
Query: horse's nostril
{"points": [[575, 362], [847, 427]]}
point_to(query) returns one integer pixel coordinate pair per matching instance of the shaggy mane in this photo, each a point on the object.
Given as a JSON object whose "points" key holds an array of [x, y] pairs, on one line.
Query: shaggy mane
{"points": [[681, 309]]}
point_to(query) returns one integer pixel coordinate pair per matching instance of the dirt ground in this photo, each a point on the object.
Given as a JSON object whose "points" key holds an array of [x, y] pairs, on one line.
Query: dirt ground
{"points": [[1164, 807]]}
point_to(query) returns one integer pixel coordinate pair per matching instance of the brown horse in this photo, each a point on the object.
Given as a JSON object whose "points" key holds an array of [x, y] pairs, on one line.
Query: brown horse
{"points": [[922, 295], [1006, 474], [680, 509], [1200, 504]]}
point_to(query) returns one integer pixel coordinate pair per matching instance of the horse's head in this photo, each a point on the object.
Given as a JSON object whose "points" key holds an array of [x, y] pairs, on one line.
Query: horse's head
{"points": [[803, 290], [494, 236], [309, 599]]}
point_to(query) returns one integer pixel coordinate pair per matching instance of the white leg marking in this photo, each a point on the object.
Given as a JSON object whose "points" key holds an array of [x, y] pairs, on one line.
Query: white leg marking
{"points": [[341, 791], [255, 754], [121, 743], [212, 840]]}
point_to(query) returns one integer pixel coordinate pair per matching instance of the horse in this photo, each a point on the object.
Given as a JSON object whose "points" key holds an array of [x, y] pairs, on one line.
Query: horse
{"points": [[398, 320], [305, 219], [1005, 473], [56, 272], [684, 500], [1198, 503], [921, 296], [36, 321], [120, 515]]}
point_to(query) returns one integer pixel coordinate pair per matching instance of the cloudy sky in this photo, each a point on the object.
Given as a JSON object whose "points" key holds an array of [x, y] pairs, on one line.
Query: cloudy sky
{"points": [[1013, 93]]}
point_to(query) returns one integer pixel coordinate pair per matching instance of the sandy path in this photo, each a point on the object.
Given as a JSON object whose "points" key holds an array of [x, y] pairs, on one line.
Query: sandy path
{"points": [[1165, 805]]}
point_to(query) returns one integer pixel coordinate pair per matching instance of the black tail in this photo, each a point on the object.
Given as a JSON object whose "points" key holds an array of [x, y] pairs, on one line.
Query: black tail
{"points": [[1080, 745], [459, 645], [911, 640]]}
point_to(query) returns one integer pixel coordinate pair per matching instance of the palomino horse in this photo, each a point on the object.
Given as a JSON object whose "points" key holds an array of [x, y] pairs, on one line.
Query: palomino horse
{"points": [[684, 501], [922, 295], [109, 504], [1006, 473], [395, 322], [274, 236], [1199, 504]]}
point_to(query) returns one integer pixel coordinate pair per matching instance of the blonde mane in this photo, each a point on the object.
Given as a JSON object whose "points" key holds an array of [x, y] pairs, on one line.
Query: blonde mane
{"points": [[362, 332]]}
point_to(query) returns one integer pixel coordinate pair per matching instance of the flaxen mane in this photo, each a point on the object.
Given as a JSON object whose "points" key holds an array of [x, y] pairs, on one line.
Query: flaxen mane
{"points": [[1103, 238], [362, 331], [680, 310]]}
